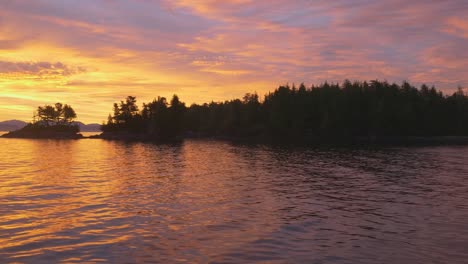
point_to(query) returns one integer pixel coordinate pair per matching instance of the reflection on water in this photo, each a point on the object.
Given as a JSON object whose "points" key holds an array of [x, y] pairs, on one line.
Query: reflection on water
{"points": [[88, 134], [202, 201]]}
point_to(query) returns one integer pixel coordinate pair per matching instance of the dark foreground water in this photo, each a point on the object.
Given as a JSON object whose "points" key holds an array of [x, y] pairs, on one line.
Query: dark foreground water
{"points": [[201, 201]]}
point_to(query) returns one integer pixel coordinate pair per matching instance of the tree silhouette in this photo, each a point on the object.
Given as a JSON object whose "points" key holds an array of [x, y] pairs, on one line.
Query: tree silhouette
{"points": [[348, 110], [55, 115]]}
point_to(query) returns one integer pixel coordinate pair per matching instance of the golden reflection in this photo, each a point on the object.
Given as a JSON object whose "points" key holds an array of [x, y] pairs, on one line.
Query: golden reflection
{"points": [[85, 194]]}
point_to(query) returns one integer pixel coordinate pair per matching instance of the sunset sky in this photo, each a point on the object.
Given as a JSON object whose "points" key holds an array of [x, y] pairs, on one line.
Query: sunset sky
{"points": [[92, 53]]}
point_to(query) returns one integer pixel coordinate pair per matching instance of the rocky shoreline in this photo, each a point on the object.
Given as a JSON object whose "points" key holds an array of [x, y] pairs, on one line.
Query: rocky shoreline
{"points": [[42, 135]]}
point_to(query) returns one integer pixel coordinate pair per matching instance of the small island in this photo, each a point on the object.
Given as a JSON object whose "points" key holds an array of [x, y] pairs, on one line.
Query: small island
{"points": [[50, 122]]}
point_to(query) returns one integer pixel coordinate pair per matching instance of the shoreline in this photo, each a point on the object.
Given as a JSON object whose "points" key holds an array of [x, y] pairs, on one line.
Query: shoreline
{"points": [[310, 141]]}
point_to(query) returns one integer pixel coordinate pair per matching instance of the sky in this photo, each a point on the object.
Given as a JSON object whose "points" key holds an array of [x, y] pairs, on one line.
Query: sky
{"points": [[92, 53]]}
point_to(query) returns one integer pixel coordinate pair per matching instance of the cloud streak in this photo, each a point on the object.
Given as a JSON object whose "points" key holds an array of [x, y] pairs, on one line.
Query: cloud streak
{"points": [[36, 70]]}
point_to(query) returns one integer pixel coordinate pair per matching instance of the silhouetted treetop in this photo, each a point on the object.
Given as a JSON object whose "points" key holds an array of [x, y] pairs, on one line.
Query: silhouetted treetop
{"points": [[57, 114], [350, 109]]}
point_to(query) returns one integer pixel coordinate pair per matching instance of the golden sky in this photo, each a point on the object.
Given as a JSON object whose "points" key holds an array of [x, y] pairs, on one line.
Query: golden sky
{"points": [[90, 54]]}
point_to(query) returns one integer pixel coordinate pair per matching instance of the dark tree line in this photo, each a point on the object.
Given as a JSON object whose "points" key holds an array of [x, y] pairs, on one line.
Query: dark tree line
{"points": [[158, 118], [350, 109]]}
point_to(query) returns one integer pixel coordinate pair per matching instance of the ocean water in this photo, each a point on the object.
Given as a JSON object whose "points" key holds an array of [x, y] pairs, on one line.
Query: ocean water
{"points": [[92, 201]]}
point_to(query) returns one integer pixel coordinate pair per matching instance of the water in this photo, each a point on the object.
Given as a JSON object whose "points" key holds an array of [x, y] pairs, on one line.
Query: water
{"points": [[207, 201]]}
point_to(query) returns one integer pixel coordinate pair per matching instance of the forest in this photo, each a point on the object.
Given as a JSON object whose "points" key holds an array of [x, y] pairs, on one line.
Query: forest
{"points": [[347, 110]]}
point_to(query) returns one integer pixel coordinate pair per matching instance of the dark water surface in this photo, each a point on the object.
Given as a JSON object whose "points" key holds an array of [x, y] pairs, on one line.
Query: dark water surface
{"points": [[207, 201]]}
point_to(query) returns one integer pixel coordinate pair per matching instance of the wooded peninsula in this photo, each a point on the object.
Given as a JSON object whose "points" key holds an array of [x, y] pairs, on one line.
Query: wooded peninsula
{"points": [[351, 110]]}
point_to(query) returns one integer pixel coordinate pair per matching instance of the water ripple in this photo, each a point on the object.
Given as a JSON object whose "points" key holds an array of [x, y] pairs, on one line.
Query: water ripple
{"points": [[207, 201]]}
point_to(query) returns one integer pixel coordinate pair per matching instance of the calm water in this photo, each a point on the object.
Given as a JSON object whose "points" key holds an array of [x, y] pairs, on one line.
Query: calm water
{"points": [[201, 201]]}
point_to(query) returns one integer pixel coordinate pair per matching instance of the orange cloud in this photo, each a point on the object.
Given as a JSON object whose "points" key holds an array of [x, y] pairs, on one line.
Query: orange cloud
{"points": [[457, 26]]}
